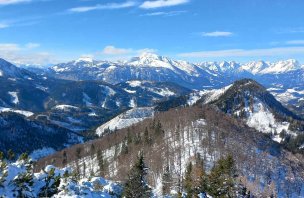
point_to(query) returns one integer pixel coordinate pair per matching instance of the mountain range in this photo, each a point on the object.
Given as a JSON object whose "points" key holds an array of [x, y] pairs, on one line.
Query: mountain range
{"points": [[173, 110], [285, 79]]}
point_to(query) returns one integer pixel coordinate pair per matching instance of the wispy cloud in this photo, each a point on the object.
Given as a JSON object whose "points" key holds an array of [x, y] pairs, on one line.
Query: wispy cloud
{"points": [[3, 25], [32, 45], [9, 2], [216, 34], [168, 14], [111, 50], [109, 6], [114, 53], [162, 3], [295, 42], [23, 54], [270, 52], [290, 30]]}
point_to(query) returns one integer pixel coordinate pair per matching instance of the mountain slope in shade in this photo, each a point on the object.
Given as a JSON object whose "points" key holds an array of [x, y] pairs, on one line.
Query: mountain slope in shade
{"points": [[94, 101], [285, 74], [23, 134]]}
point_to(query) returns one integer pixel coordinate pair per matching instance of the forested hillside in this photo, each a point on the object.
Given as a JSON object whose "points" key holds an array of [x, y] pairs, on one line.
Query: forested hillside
{"points": [[174, 140]]}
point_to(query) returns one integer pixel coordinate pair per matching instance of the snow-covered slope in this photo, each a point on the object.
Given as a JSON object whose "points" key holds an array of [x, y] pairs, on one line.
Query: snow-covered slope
{"points": [[261, 67], [282, 67], [20, 181], [254, 67], [250, 101], [148, 66], [126, 119]]}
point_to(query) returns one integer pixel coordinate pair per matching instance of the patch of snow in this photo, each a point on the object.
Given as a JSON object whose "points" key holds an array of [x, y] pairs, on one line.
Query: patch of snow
{"points": [[65, 107], [22, 112], [130, 91], [60, 69], [41, 88], [126, 119], [264, 121], [132, 103], [14, 96], [214, 94], [86, 99], [163, 92], [12, 79], [194, 97], [134, 83], [40, 153], [109, 90], [92, 114]]}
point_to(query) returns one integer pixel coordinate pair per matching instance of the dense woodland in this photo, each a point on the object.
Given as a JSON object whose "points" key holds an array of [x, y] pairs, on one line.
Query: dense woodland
{"points": [[173, 142]]}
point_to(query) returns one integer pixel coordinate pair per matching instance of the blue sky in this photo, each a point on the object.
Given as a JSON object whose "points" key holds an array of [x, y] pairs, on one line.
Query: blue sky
{"points": [[50, 31]]}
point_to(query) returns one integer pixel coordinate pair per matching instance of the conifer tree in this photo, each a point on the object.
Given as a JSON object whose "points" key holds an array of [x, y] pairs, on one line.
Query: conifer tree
{"points": [[221, 178], [10, 155], [188, 182], [24, 181], [52, 183], [136, 186], [201, 184]]}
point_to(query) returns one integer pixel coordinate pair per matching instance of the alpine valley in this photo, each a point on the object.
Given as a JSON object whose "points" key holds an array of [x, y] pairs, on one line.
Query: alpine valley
{"points": [[208, 129]]}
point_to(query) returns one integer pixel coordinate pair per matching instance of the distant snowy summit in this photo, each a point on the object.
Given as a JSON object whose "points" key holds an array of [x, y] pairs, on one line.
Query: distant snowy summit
{"points": [[148, 59]]}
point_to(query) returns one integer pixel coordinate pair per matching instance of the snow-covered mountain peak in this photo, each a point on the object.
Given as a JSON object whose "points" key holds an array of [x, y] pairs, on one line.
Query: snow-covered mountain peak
{"points": [[152, 60], [147, 59], [282, 66], [228, 66], [87, 59], [149, 55], [9, 70], [254, 67]]}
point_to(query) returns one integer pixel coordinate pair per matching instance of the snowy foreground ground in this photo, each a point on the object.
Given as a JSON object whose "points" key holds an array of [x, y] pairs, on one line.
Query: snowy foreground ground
{"points": [[18, 180]]}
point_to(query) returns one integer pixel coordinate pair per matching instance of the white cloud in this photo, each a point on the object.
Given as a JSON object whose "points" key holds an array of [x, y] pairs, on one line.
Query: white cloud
{"points": [[113, 53], [270, 52], [22, 54], [111, 50], [32, 45], [3, 25], [8, 2], [9, 47], [162, 3], [109, 6], [295, 42], [290, 30], [217, 34], [169, 14]]}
